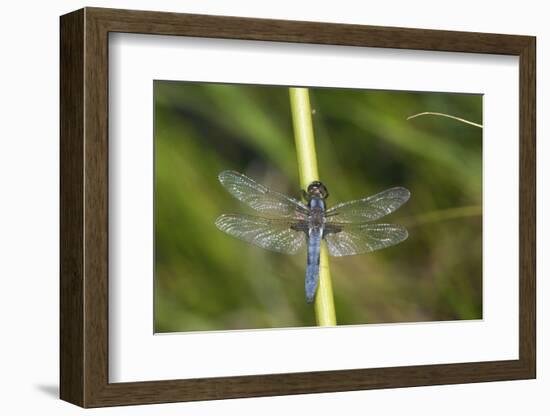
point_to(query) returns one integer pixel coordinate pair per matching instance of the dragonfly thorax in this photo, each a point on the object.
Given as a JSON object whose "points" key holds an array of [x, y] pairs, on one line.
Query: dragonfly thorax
{"points": [[316, 212]]}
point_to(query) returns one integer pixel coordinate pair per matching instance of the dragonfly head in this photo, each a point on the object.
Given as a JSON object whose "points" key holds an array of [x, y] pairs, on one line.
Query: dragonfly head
{"points": [[316, 190]]}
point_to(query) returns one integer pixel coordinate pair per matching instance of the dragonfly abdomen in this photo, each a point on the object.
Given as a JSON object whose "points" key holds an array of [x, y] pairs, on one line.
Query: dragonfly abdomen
{"points": [[313, 259], [315, 234]]}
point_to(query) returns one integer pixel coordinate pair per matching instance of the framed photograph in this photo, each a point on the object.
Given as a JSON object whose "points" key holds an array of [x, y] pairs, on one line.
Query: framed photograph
{"points": [[255, 207]]}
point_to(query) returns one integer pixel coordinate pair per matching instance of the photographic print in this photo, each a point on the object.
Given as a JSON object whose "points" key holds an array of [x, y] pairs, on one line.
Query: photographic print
{"points": [[323, 193], [394, 218]]}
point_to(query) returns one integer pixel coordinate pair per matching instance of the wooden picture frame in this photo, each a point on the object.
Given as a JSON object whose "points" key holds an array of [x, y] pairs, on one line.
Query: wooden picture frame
{"points": [[84, 207]]}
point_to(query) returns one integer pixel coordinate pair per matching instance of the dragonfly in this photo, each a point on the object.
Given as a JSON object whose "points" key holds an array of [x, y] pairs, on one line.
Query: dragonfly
{"points": [[287, 225]]}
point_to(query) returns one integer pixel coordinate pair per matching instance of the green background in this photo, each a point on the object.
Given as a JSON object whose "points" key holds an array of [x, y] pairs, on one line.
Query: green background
{"points": [[207, 280]]}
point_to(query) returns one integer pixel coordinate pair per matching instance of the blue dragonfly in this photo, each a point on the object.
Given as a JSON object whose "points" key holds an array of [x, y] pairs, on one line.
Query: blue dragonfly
{"points": [[286, 225]]}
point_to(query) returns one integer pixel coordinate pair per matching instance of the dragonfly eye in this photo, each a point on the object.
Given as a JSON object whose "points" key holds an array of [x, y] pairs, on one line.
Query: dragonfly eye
{"points": [[317, 189]]}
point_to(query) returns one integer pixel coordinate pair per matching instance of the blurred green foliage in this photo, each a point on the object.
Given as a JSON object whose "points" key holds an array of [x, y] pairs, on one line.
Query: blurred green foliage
{"points": [[207, 280]]}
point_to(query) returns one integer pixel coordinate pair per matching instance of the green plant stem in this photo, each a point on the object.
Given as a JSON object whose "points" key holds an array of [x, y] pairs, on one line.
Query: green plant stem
{"points": [[325, 313], [443, 215]]}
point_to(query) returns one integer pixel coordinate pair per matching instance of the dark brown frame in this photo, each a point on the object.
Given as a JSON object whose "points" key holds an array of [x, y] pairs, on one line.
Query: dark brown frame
{"points": [[84, 207]]}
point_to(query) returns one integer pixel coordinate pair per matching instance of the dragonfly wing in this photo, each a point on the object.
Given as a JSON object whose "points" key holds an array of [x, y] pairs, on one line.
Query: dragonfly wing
{"points": [[271, 234], [348, 239], [259, 197], [370, 208]]}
